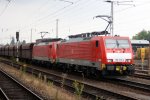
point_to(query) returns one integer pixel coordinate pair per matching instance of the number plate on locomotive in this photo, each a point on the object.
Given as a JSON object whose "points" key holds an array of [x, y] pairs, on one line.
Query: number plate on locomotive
{"points": [[119, 60]]}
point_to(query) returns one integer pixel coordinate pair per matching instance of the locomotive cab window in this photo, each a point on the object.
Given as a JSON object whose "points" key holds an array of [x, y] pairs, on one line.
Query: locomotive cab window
{"points": [[97, 43], [117, 43]]}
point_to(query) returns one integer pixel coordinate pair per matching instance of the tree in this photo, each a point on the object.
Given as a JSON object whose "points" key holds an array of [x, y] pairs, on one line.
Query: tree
{"points": [[148, 36], [143, 35], [12, 41], [7, 44], [23, 42]]}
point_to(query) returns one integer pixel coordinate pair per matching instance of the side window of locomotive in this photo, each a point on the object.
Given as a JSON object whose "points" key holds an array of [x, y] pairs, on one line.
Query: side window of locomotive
{"points": [[97, 43]]}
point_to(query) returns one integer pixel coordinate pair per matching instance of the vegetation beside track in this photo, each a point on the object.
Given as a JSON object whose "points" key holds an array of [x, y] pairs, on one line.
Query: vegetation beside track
{"points": [[46, 89]]}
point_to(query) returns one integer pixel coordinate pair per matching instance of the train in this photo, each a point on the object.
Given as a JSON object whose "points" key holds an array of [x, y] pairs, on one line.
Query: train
{"points": [[89, 53]]}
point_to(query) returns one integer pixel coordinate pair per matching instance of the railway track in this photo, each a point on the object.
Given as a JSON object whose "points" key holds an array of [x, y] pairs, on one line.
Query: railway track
{"points": [[3, 95], [90, 90], [143, 76], [141, 71], [11, 89], [133, 84]]}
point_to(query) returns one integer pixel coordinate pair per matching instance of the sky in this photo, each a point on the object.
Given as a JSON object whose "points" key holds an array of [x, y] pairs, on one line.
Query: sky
{"points": [[74, 17]]}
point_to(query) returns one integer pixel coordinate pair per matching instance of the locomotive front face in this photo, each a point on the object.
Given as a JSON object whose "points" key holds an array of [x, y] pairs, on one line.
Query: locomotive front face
{"points": [[118, 51], [119, 55]]}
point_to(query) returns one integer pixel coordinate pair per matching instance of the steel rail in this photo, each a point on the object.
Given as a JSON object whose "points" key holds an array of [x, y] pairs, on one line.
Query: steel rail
{"points": [[143, 76], [11, 92], [133, 84], [90, 90], [3, 95]]}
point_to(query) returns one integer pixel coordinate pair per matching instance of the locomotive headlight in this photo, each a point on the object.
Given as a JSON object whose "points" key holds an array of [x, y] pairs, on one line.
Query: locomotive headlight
{"points": [[124, 68], [109, 60], [128, 60]]}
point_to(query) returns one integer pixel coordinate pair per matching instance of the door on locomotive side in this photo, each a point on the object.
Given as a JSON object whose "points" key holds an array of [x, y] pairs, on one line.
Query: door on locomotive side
{"points": [[53, 51], [98, 51]]}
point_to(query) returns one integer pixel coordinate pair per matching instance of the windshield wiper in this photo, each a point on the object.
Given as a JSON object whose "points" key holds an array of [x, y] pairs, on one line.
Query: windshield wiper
{"points": [[117, 43]]}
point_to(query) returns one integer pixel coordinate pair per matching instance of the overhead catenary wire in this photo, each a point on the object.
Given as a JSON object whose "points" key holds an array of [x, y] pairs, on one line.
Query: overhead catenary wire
{"points": [[52, 19], [55, 12], [14, 28], [41, 22], [135, 6], [34, 23], [63, 11], [47, 2], [6, 6], [77, 16], [63, 14], [51, 14], [138, 19]]}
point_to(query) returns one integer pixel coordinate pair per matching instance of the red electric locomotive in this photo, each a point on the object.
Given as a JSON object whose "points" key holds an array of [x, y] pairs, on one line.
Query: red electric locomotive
{"points": [[96, 54], [45, 50]]}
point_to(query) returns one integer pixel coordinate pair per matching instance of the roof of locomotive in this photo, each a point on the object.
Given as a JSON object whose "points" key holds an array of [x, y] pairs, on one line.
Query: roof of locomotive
{"points": [[89, 34], [79, 39], [46, 40]]}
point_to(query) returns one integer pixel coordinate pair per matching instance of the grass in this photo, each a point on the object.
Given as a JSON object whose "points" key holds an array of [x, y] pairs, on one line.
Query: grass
{"points": [[44, 87], [78, 89], [63, 80]]}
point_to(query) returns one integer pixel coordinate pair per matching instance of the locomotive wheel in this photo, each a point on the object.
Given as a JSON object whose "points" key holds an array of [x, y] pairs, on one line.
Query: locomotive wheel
{"points": [[87, 73], [64, 68], [98, 74], [103, 73]]}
